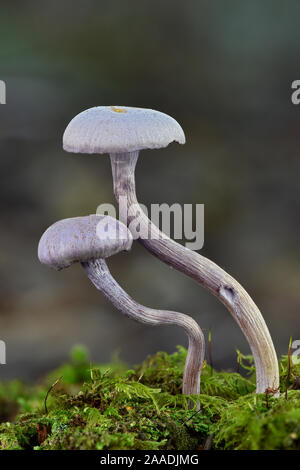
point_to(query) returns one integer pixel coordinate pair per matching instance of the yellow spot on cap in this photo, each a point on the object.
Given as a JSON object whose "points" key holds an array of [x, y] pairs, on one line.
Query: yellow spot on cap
{"points": [[118, 110]]}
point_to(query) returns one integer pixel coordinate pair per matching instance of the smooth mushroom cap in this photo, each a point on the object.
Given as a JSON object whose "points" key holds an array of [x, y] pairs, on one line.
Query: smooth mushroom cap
{"points": [[82, 239], [114, 129]]}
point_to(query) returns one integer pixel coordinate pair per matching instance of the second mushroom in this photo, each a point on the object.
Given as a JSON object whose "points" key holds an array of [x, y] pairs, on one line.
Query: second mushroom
{"points": [[90, 240]]}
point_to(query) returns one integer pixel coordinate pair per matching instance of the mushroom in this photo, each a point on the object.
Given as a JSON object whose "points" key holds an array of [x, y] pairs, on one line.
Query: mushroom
{"points": [[90, 240], [123, 132]]}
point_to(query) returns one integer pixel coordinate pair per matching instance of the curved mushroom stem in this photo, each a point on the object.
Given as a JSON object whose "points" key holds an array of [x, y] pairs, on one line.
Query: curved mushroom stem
{"points": [[204, 271], [99, 274]]}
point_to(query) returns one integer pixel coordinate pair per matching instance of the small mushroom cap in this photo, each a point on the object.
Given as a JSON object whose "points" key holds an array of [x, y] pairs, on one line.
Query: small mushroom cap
{"points": [[120, 129], [82, 239]]}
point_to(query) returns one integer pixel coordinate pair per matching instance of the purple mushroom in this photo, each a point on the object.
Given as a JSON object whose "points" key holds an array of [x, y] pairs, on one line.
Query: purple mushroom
{"points": [[89, 240], [122, 132]]}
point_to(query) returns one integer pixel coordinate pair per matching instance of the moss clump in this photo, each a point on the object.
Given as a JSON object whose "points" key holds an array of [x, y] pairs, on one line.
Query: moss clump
{"points": [[110, 407], [165, 371], [255, 423]]}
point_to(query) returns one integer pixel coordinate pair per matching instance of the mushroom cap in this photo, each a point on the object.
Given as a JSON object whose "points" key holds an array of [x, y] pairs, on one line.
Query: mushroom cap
{"points": [[120, 129], [82, 239]]}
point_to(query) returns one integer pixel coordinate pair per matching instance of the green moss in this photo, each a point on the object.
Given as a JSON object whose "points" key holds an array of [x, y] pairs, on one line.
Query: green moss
{"points": [[110, 407], [253, 423]]}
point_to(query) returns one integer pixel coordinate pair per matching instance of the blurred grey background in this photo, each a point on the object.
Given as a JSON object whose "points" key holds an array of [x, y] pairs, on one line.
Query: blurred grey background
{"points": [[224, 71]]}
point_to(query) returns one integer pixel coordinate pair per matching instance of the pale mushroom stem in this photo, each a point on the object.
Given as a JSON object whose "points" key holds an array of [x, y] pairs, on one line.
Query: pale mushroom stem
{"points": [[205, 272], [99, 274]]}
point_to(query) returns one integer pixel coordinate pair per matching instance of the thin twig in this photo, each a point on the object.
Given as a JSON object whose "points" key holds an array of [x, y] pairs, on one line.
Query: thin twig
{"points": [[289, 370], [48, 392], [210, 352], [238, 363], [194, 414]]}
